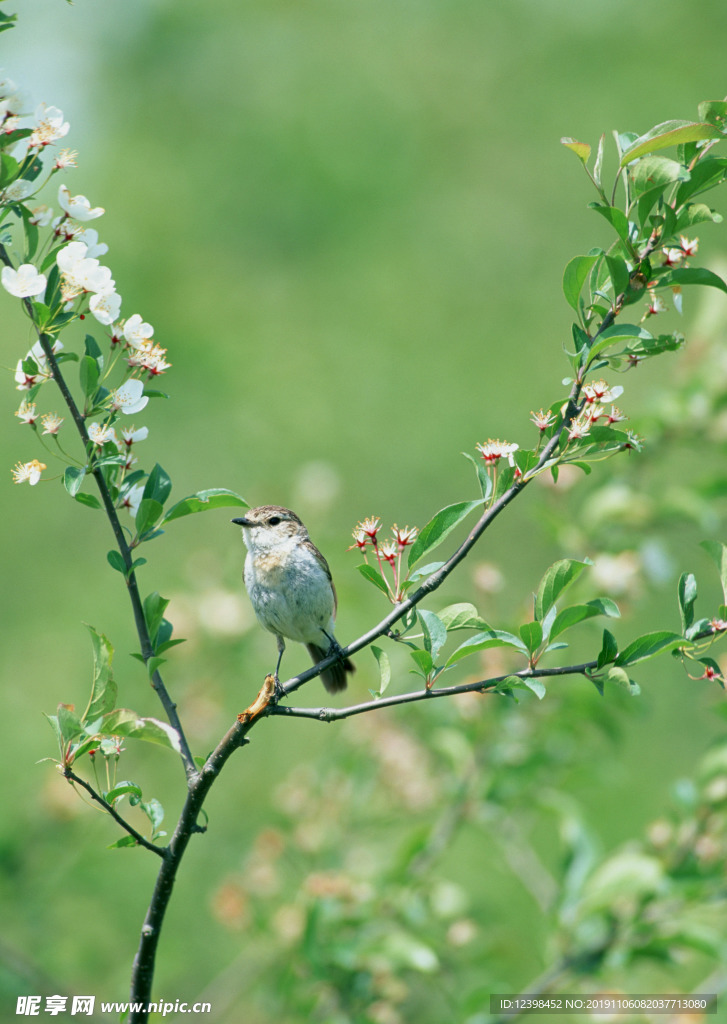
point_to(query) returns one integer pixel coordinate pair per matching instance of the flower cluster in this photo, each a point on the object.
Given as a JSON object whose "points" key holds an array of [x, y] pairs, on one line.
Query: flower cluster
{"points": [[61, 281], [387, 553]]}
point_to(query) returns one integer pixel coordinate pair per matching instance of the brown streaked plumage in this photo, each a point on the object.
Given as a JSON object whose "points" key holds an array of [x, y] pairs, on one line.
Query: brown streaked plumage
{"points": [[290, 587]]}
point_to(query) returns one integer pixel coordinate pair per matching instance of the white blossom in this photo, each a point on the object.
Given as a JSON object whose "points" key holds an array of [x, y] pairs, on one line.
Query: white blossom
{"points": [[78, 207], [23, 282], [50, 126], [129, 398], [105, 306]]}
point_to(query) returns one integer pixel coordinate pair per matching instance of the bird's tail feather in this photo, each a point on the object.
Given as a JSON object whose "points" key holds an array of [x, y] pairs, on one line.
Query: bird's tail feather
{"points": [[334, 677]]}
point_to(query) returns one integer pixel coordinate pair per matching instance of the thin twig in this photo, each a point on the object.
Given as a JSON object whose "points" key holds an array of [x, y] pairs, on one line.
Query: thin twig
{"points": [[160, 851], [482, 686], [147, 650]]}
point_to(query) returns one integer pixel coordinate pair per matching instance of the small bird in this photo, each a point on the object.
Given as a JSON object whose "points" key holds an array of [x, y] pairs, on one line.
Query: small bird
{"points": [[291, 588]]}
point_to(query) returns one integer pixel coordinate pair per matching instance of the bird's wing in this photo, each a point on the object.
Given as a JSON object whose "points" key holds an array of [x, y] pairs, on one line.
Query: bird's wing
{"points": [[325, 567]]}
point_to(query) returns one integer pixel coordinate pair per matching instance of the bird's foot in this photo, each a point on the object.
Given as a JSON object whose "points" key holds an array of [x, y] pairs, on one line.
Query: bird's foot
{"points": [[279, 689]]}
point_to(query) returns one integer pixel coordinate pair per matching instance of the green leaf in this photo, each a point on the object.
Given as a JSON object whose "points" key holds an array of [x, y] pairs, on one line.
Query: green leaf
{"points": [[89, 374], [424, 570], [113, 557], [69, 724], [609, 650], [439, 527], [615, 217], [576, 613], [619, 334], [461, 616], [669, 133], [103, 689], [555, 580], [653, 174], [581, 149], [124, 722], [620, 678], [374, 576], [424, 661], [649, 645], [619, 274], [687, 594], [90, 500], [124, 841], [154, 812], [72, 479], [718, 553], [203, 501], [382, 659], [714, 112], [154, 607], [122, 789], [148, 515], [532, 635], [158, 486], [535, 685], [435, 632], [690, 275], [575, 276], [482, 641], [483, 477]]}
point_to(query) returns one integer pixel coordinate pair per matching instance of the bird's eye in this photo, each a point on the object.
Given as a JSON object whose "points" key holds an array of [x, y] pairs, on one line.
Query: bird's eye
{"points": [[274, 520]]}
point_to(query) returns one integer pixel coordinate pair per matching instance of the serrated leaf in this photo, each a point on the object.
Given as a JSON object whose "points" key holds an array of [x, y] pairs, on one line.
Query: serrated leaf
{"points": [[617, 335], [669, 133], [439, 527], [435, 632], [649, 645], [203, 501], [382, 659], [555, 580]]}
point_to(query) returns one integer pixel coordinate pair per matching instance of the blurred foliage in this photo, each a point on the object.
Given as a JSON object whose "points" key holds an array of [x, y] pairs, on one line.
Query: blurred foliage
{"points": [[350, 225]]}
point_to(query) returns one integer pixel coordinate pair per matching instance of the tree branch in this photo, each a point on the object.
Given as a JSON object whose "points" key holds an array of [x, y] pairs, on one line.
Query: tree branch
{"points": [[147, 650], [160, 851], [323, 714]]}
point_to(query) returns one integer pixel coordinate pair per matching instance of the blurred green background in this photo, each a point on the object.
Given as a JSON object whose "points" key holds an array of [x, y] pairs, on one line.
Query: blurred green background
{"points": [[348, 225]]}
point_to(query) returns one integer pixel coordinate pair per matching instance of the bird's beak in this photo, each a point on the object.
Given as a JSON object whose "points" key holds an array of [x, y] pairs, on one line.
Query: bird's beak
{"points": [[242, 522]]}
